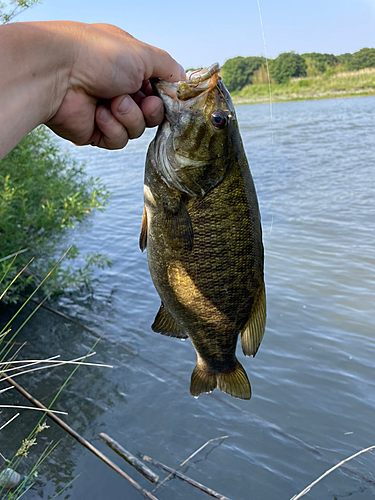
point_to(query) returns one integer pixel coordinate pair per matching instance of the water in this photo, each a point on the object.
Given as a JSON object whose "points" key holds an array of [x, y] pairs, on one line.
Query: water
{"points": [[313, 378]]}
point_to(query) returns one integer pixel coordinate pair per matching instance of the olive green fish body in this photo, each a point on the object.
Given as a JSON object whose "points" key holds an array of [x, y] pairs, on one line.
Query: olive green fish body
{"points": [[204, 248]]}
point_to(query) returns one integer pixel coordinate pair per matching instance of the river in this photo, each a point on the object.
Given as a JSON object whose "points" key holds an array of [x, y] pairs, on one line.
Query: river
{"points": [[313, 379]]}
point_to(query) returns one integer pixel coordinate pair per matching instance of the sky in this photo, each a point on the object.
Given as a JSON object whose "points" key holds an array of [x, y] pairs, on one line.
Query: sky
{"points": [[200, 32]]}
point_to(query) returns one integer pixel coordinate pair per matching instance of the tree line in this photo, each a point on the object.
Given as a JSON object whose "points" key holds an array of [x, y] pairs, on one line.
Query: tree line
{"points": [[241, 71]]}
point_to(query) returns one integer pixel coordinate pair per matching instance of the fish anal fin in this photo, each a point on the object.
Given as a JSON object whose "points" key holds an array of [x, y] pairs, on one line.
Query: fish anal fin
{"points": [[165, 325], [143, 235], [179, 227], [253, 331], [234, 382]]}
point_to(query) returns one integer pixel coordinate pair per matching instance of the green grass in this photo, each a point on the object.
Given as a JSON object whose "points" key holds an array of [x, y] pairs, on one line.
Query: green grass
{"points": [[326, 86]]}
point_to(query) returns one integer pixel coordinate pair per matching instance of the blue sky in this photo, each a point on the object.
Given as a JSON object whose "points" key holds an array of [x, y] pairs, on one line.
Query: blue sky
{"points": [[200, 32]]}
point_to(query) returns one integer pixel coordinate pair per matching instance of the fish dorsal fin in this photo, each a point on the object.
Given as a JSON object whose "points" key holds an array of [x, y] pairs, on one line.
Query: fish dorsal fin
{"points": [[165, 325], [253, 331], [143, 235], [178, 226]]}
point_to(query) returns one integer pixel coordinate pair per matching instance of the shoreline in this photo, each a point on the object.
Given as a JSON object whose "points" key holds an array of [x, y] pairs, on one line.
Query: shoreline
{"points": [[241, 101]]}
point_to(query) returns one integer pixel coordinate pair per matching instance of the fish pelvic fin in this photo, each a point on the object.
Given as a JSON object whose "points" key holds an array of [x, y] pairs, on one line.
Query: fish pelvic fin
{"points": [[253, 331], [234, 382], [165, 325], [143, 235]]}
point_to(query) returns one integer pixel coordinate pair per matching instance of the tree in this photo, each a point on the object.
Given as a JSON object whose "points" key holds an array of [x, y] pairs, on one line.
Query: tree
{"points": [[320, 62], [364, 58], [345, 59], [287, 65], [238, 71]]}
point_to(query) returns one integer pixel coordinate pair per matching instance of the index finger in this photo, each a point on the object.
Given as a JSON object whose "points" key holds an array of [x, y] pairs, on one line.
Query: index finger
{"points": [[162, 65]]}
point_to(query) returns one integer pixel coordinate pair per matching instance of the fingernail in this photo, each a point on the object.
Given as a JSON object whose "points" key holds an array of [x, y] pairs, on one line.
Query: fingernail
{"points": [[105, 115], [125, 105], [157, 112]]}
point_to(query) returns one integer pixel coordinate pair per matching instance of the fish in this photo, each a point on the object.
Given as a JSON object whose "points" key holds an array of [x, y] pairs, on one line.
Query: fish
{"points": [[202, 229]]}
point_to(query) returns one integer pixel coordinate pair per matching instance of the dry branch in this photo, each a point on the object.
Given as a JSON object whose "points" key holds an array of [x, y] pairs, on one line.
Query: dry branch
{"points": [[189, 458], [32, 408], [130, 458], [308, 488], [39, 368], [9, 421], [187, 479]]}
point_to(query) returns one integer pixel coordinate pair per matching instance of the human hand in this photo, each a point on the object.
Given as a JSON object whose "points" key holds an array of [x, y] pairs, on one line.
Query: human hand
{"points": [[108, 97]]}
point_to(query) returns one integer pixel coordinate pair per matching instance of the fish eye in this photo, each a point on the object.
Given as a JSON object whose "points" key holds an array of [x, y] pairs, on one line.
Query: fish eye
{"points": [[219, 119]]}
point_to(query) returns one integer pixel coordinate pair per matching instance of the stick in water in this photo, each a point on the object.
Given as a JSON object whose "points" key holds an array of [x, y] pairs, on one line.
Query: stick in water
{"points": [[187, 479], [308, 488], [189, 458], [81, 440], [130, 458]]}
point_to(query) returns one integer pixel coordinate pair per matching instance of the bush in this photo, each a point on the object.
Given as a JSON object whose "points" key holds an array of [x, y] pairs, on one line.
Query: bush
{"points": [[286, 66], [238, 71], [43, 193]]}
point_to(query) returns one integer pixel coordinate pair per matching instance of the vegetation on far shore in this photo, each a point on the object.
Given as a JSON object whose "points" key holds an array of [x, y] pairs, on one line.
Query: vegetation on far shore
{"points": [[293, 76], [346, 84]]}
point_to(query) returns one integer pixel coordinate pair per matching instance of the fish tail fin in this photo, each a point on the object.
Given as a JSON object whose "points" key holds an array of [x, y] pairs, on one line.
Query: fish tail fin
{"points": [[234, 382], [202, 381]]}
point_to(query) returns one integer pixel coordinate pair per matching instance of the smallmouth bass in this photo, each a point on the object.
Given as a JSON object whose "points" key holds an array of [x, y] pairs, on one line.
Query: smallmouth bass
{"points": [[201, 226]]}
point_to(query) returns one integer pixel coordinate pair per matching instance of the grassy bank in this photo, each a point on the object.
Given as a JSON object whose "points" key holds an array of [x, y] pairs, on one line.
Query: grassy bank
{"points": [[327, 86]]}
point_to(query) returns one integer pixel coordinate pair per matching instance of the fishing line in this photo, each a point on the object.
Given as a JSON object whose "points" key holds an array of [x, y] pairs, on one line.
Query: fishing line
{"points": [[271, 115]]}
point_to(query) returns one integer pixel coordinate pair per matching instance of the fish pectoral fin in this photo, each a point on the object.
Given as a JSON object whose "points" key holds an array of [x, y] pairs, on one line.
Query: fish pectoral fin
{"points": [[143, 235], [252, 333], [178, 226], [234, 382], [165, 325]]}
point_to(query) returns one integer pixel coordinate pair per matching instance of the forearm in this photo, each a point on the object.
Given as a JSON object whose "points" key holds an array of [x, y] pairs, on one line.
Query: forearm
{"points": [[33, 78], [59, 72]]}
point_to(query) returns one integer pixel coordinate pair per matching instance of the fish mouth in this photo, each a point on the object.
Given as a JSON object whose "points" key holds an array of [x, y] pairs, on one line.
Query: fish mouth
{"points": [[202, 74], [196, 83]]}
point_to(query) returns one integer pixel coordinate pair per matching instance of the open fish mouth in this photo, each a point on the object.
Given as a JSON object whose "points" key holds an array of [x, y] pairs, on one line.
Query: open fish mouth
{"points": [[196, 82], [201, 75]]}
